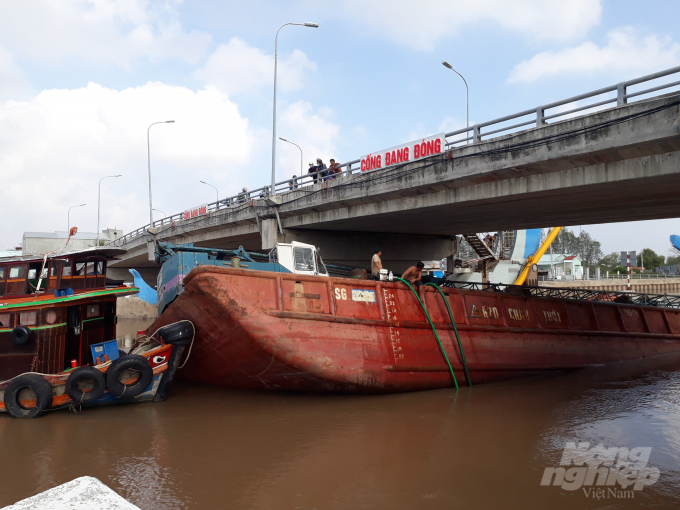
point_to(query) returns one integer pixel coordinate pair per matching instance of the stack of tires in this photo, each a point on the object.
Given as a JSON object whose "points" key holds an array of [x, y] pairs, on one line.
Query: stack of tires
{"points": [[95, 382]]}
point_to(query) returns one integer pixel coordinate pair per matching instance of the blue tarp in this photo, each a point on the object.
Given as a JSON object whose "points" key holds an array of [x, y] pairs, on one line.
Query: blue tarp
{"points": [[533, 241]]}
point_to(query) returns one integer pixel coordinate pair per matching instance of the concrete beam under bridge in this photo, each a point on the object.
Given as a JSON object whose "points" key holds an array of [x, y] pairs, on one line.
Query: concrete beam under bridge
{"points": [[355, 249]]}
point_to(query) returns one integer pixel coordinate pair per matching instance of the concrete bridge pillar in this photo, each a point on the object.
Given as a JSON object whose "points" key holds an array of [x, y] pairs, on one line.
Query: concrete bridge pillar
{"points": [[270, 233]]}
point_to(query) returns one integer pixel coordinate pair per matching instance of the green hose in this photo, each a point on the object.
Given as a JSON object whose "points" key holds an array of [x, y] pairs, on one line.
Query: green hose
{"points": [[433, 328], [455, 329]]}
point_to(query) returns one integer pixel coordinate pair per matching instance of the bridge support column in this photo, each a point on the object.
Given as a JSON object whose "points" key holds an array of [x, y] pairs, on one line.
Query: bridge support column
{"points": [[271, 233]]}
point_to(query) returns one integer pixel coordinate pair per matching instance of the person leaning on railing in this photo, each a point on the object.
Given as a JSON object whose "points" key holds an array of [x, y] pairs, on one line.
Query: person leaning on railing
{"points": [[292, 183], [321, 168], [333, 169]]}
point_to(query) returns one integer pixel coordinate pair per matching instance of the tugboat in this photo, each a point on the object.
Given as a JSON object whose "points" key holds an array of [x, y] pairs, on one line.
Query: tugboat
{"points": [[297, 329], [57, 322]]}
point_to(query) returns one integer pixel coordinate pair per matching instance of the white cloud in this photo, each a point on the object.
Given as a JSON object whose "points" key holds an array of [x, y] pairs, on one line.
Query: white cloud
{"points": [[315, 133], [237, 68], [56, 147], [13, 82], [117, 31], [451, 124], [625, 52], [422, 24]]}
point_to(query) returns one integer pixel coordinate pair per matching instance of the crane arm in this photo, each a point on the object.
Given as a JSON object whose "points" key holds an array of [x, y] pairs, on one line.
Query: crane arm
{"points": [[537, 256]]}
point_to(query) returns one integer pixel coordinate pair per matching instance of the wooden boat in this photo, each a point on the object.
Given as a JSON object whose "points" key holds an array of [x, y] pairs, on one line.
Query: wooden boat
{"points": [[282, 331], [53, 309]]}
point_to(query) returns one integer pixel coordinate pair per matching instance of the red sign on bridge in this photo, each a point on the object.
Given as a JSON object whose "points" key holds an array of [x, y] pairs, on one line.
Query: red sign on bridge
{"points": [[404, 153], [196, 211]]}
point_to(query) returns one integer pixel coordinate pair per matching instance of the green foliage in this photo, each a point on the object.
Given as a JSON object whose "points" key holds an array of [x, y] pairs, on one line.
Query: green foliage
{"points": [[674, 259], [650, 259], [610, 263], [583, 245]]}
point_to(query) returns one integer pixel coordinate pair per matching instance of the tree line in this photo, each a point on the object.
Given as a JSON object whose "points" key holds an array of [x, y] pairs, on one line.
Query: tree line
{"points": [[590, 252]]}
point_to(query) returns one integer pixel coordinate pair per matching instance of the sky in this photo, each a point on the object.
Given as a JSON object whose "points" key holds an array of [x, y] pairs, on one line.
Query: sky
{"points": [[81, 81]]}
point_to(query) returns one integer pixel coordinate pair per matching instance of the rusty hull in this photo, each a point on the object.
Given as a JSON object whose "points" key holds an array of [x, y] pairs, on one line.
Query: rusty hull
{"points": [[263, 330]]}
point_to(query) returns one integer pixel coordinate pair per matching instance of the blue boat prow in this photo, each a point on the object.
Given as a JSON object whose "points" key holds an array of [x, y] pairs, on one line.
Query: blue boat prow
{"points": [[146, 292], [675, 241]]}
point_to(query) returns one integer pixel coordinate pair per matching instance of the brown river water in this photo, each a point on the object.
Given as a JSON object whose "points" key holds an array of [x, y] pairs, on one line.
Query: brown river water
{"points": [[485, 447]]}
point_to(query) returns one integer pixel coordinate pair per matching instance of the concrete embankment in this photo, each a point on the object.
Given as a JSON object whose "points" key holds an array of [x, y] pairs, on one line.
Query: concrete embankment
{"points": [[132, 307], [647, 286], [134, 314]]}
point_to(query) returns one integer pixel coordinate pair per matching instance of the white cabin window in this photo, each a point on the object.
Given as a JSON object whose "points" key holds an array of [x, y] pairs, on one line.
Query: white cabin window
{"points": [[17, 272], [303, 259], [273, 256], [27, 318]]}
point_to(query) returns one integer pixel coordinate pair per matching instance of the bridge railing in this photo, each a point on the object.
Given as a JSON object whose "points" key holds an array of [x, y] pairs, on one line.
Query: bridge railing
{"points": [[535, 117]]}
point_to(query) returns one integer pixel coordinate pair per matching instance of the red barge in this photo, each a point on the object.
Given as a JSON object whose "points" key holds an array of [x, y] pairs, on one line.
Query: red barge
{"points": [[283, 331]]}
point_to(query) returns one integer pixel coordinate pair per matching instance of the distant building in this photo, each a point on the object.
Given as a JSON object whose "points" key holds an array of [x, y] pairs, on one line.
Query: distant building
{"points": [[668, 269], [564, 265], [38, 243]]}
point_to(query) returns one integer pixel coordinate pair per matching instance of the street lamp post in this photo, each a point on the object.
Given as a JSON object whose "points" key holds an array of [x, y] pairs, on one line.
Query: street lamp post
{"points": [[296, 145], [276, 60], [449, 66], [217, 194], [148, 152], [158, 210], [68, 217], [99, 194]]}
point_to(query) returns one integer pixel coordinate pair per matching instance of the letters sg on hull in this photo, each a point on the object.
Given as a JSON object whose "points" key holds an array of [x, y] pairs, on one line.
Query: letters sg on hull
{"points": [[196, 211], [406, 153]]}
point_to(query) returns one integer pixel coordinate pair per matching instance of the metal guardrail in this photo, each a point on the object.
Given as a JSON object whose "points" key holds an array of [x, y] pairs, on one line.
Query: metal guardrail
{"points": [[610, 296], [473, 134], [615, 277]]}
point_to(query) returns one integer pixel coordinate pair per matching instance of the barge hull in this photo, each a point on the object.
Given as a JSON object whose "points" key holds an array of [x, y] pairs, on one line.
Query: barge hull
{"points": [[261, 330]]}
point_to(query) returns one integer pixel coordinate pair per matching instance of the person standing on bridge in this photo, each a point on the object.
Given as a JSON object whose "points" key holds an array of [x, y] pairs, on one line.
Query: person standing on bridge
{"points": [[376, 264], [321, 168], [313, 172]]}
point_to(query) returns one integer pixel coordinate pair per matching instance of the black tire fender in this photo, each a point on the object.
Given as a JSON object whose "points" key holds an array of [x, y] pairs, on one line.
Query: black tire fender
{"points": [[21, 335], [130, 362], [85, 374], [43, 393]]}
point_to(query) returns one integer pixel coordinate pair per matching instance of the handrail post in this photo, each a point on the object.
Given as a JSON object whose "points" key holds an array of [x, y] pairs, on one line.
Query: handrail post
{"points": [[476, 136], [621, 94], [540, 114]]}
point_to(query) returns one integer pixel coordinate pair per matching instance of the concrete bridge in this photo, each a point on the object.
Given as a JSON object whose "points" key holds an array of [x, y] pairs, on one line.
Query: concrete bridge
{"points": [[618, 164]]}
